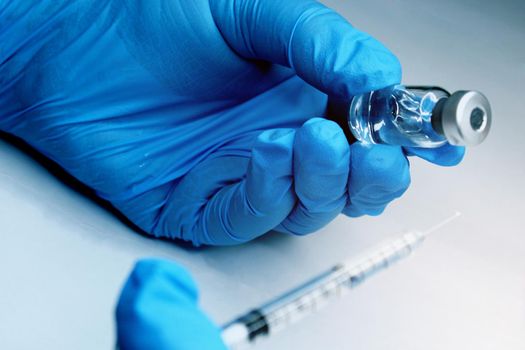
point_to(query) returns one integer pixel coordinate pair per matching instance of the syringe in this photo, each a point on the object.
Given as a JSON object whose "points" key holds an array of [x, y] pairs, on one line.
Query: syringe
{"points": [[287, 309]]}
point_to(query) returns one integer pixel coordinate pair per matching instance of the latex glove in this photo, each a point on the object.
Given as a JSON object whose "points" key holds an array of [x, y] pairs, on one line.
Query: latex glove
{"points": [[194, 118], [158, 310]]}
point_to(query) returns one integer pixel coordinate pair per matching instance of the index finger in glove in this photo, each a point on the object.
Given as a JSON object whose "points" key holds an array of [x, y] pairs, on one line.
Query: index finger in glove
{"points": [[321, 165], [231, 199], [378, 175]]}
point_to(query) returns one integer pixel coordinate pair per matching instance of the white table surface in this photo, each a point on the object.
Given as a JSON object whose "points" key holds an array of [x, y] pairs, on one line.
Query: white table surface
{"points": [[63, 259]]}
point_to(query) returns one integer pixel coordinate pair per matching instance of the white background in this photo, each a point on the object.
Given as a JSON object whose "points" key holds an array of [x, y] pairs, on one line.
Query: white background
{"points": [[63, 259]]}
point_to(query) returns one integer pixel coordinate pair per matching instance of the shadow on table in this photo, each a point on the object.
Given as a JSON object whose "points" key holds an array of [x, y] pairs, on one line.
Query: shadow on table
{"points": [[71, 182]]}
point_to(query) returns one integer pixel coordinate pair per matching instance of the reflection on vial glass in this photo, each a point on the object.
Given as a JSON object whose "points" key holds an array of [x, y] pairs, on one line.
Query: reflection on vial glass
{"points": [[395, 115], [477, 119]]}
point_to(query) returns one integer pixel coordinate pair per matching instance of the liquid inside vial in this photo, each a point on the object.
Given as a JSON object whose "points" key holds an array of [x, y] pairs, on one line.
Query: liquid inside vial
{"points": [[396, 115]]}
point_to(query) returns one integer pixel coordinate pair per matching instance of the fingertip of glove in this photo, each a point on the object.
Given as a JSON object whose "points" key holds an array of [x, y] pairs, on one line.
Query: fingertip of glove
{"points": [[447, 155], [453, 157]]}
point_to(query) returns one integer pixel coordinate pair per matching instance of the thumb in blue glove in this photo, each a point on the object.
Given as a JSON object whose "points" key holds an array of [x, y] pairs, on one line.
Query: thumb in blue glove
{"points": [[158, 310]]}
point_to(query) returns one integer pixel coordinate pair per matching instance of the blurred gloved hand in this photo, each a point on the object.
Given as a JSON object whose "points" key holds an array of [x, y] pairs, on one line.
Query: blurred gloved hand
{"points": [[158, 310], [198, 119]]}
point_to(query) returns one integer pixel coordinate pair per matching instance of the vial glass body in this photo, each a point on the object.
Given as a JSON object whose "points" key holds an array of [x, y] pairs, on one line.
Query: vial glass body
{"points": [[396, 115]]}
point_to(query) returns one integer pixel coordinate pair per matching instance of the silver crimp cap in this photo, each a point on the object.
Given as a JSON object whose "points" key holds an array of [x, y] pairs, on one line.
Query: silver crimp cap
{"points": [[466, 118]]}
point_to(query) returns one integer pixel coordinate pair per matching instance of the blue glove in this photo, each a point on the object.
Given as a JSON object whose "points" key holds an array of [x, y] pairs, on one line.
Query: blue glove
{"points": [[199, 119], [158, 310]]}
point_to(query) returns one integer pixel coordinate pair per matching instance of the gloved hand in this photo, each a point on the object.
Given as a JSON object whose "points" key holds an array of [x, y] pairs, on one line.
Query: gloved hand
{"points": [[198, 119], [158, 310]]}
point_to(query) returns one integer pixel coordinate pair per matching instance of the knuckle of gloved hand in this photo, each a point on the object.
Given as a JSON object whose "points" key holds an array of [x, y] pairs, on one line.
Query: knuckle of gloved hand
{"points": [[271, 169], [360, 207], [377, 67], [272, 157], [301, 225], [322, 143], [324, 203], [355, 63], [374, 211], [310, 28], [321, 164], [372, 200], [272, 146], [311, 33], [378, 195], [380, 165]]}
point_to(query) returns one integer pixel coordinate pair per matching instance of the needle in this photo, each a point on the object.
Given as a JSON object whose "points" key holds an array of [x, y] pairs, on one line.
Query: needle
{"points": [[441, 224]]}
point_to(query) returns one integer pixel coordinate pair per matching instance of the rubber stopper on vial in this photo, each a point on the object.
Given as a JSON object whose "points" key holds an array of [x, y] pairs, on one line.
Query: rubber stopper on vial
{"points": [[464, 118]]}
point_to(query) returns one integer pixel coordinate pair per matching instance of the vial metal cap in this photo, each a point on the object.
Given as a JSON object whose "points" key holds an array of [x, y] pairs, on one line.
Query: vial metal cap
{"points": [[466, 118]]}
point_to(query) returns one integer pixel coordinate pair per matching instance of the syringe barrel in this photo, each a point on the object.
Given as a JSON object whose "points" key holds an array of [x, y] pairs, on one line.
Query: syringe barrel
{"points": [[383, 257], [310, 296], [286, 309], [305, 299]]}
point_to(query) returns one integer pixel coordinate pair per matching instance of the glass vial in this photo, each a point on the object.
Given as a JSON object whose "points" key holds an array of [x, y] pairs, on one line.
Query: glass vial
{"points": [[419, 117]]}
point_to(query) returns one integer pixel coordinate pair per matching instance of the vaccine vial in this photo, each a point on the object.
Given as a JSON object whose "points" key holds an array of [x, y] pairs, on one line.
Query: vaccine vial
{"points": [[419, 117]]}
